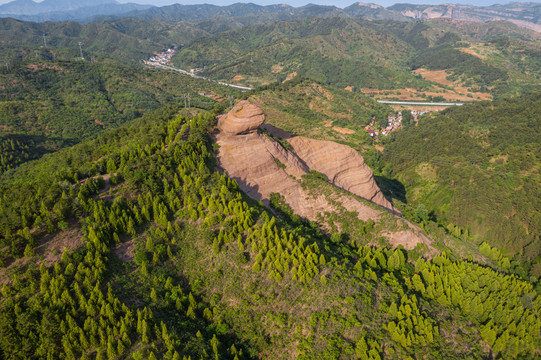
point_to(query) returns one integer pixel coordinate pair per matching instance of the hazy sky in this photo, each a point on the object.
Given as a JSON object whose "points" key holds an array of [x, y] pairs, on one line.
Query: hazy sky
{"points": [[339, 3]]}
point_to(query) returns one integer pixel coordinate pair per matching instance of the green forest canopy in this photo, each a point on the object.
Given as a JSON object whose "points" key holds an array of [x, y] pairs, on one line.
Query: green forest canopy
{"points": [[478, 167]]}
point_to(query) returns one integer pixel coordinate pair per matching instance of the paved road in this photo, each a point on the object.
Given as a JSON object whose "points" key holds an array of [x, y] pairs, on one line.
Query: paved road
{"points": [[419, 103], [165, 67]]}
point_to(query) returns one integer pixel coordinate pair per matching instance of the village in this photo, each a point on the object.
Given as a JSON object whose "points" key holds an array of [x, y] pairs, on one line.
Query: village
{"points": [[394, 122], [163, 58]]}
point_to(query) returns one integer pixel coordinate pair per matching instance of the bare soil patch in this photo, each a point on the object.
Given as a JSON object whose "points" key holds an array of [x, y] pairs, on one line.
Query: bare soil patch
{"points": [[379, 147], [290, 76], [277, 68], [438, 76], [238, 78], [410, 238], [349, 88], [49, 250], [343, 130], [53, 247], [471, 52], [125, 251], [35, 67]]}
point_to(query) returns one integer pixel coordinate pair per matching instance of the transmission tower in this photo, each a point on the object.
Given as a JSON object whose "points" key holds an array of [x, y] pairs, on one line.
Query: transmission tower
{"points": [[186, 98], [81, 50], [44, 40], [231, 98]]}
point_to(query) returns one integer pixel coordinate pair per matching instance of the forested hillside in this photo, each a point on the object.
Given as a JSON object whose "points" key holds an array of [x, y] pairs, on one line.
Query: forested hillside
{"points": [[373, 54], [122, 236], [47, 105], [126, 40], [167, 259], [477, 167], [338, 51]]}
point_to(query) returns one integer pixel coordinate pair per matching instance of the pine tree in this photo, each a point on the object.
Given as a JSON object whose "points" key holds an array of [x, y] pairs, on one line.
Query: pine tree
{"points": [[111, 351], [216, 246], [28, 251]]}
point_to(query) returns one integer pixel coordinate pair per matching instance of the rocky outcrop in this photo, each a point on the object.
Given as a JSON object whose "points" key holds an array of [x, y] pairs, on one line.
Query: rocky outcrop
{"points": [[242, 119], [262, 166], [343, 166]]}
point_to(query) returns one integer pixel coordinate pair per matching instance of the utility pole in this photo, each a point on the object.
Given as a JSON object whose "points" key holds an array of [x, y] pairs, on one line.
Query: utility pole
{"points": [[81, 50]]}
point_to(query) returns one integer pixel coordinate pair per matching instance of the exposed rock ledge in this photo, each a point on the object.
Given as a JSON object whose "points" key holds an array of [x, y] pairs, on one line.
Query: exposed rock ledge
{"points": [[248, 153], [262, 166], [343, 166]]}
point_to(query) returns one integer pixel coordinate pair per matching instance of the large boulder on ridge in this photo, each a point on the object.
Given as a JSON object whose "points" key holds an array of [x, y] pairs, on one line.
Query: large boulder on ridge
{"points": [[242, 119]]}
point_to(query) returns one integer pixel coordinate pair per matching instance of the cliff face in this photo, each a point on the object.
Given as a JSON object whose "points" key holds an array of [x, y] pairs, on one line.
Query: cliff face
{"points": [[265, 166], [262, 166], [522, 14], [343, 166]]}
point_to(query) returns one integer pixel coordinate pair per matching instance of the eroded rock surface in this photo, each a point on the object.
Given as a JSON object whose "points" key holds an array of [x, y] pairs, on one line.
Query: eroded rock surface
{"points": [[262, 166], [243, 118], [343, 166]]}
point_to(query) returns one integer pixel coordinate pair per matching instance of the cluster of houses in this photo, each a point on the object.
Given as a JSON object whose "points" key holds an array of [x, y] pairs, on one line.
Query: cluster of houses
{"points": [[163, 58], [394, 122]]}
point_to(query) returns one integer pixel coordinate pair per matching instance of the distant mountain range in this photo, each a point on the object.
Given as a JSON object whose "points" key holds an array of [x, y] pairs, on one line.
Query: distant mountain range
{"points": [[62, 10], [526, 14]]}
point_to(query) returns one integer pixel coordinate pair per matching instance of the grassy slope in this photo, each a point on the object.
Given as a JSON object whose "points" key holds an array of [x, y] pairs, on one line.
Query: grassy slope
{"points": [[307, 108]]}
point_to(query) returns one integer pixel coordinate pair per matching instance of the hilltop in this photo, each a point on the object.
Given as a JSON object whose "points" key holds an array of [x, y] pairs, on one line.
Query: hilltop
{"points": [[163, 250]]}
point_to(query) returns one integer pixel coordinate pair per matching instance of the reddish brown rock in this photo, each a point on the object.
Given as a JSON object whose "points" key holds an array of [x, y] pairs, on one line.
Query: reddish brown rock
{"points": [[343, 166], [262, 166], [243, 118]]}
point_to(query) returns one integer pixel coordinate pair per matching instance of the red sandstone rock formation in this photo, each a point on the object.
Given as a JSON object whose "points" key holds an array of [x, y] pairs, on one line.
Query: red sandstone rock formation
{"points": [[263, 166]]}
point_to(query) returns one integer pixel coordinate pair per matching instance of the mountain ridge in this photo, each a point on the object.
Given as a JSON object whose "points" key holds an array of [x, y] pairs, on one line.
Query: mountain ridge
{"points": [[52, 10], [524, 14]]}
